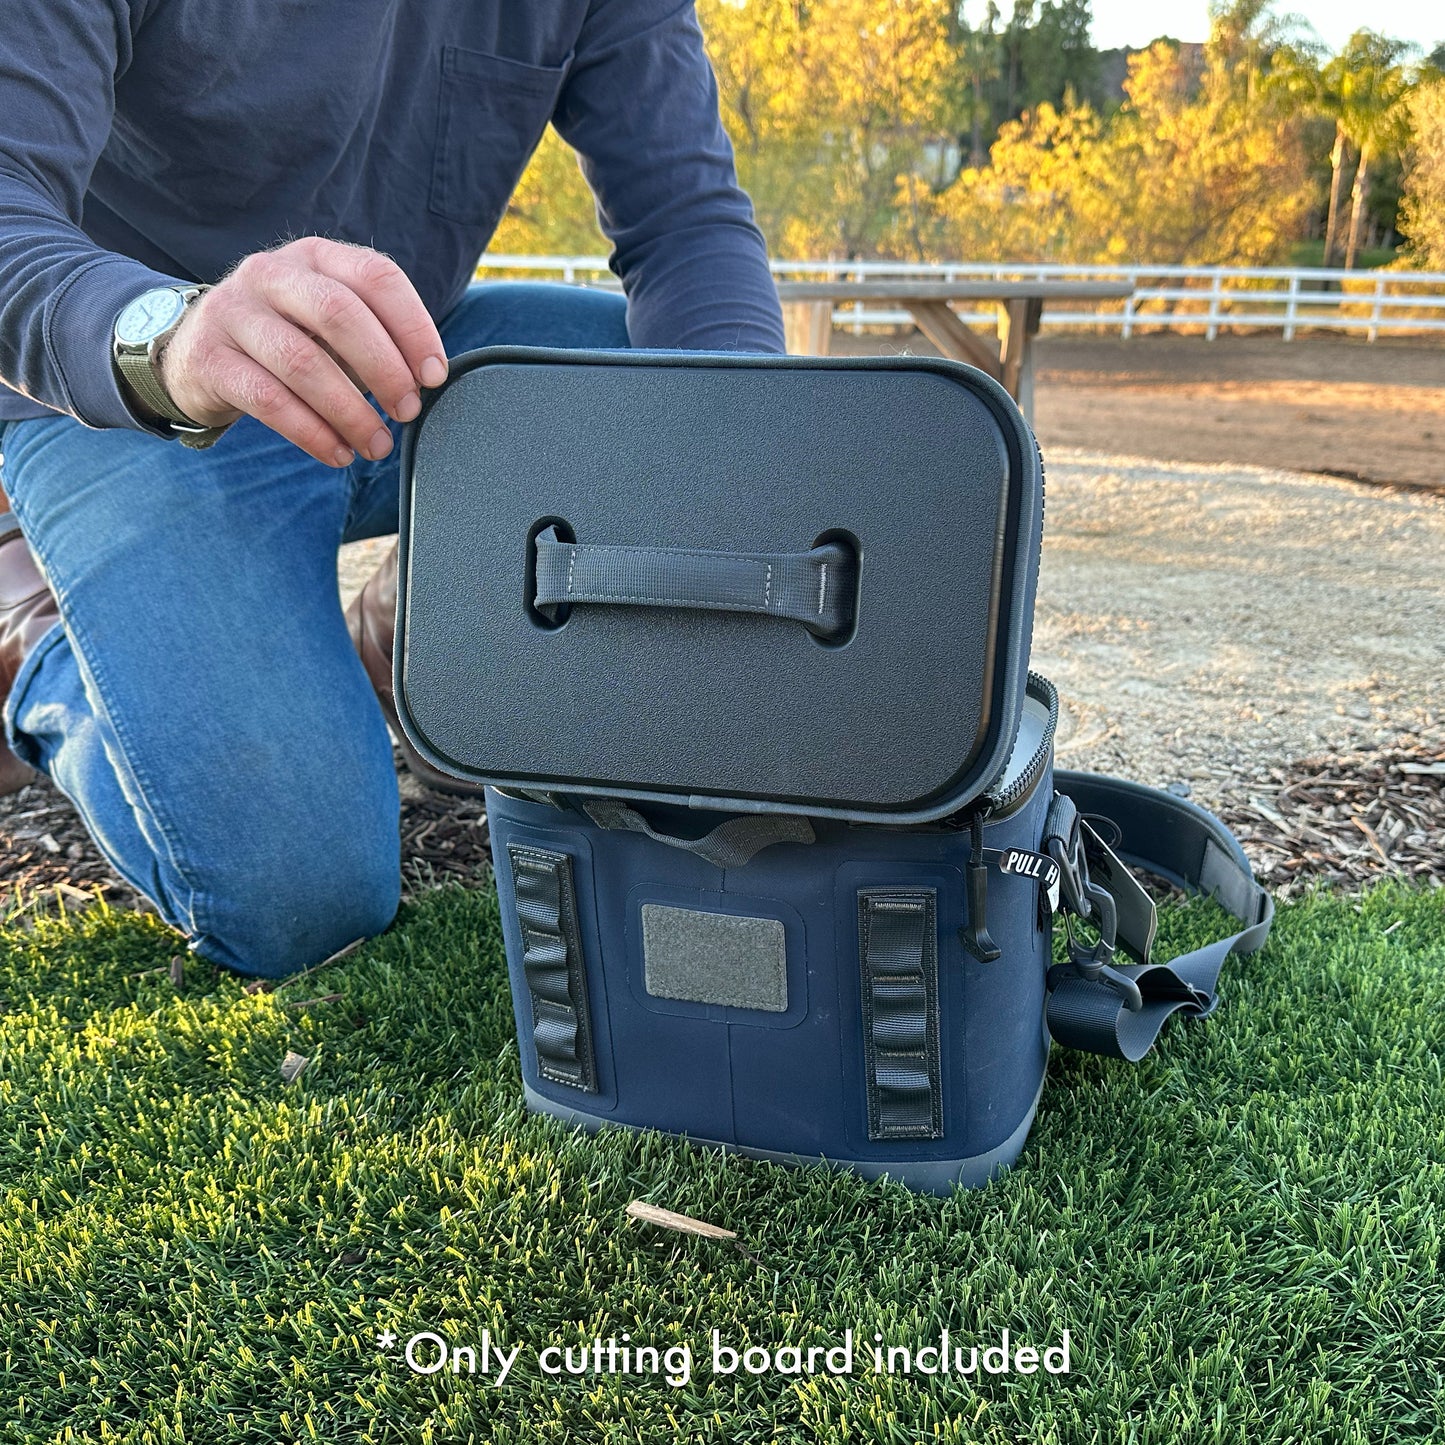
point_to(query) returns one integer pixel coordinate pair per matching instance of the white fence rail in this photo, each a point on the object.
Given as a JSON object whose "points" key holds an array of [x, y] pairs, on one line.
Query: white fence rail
{"points": [[1171, 298]]}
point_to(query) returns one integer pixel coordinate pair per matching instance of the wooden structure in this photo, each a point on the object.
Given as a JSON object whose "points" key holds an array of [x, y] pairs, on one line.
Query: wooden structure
{"points": [[809, 306]]}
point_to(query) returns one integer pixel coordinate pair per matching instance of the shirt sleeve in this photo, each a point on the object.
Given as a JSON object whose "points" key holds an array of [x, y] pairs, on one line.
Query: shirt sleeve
{"points": [[59, 292], [640, 107]]}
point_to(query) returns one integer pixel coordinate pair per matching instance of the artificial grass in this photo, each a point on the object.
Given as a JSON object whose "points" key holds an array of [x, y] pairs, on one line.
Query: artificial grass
{"points": [[1243, 1235]]}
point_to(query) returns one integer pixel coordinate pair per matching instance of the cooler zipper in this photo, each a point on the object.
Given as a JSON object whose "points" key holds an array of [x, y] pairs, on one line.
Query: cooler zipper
{"points": [[1020, 788], [974, 934], [989, 803], [994, 803], [1006, 799]]}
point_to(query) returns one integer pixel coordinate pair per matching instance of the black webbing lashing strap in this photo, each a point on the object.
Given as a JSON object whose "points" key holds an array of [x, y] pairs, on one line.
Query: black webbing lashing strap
{"points": [[898, 948], [1191, 848], [553, 965]]}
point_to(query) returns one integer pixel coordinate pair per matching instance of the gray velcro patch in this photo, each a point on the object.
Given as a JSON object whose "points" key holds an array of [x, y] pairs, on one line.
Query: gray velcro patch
{"points": [[716, 958]]}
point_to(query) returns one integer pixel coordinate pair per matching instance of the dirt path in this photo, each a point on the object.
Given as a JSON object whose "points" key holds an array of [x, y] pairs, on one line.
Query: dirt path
{"points": [[1334, 406], [1204, 623], [1328, 404]]}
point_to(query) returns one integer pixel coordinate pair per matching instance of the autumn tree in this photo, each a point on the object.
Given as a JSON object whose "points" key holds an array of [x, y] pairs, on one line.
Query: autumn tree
{"points": [[846, 117], [1423, 208], [1037, 199], [1190, 169], [552, 211], [893, 128], [1194, 174], [828, 105]]}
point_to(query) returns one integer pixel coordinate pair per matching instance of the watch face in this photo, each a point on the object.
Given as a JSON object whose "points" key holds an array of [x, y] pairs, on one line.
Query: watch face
{"points": [[149, 315]]}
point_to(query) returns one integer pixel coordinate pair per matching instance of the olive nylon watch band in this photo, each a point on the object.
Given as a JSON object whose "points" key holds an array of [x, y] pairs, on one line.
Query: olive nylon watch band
{"points": [[139, 369]]}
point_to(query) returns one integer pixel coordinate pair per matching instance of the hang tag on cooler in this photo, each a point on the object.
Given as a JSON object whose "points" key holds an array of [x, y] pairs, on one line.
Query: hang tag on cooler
{"points": [[1024, 863]]}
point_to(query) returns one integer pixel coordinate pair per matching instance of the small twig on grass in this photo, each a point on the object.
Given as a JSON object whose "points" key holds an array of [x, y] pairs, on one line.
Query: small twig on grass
{"points": [[682, 1223], [686, 1224], [71, 891], [178, 973], [271, 985], [321, 998]]}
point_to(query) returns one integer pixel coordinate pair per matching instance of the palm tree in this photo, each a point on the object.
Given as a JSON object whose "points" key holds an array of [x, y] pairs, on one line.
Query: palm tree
{"points": [[1250, 42], [1338, 152], [1365, 87], [978, 58]]}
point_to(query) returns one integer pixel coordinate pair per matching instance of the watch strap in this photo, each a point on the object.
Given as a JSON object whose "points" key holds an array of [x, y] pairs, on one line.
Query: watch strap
{"points": [[140, 376], [140, 372]]}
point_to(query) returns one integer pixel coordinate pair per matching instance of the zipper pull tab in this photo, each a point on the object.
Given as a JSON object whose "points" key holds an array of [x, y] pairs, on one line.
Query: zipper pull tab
{"points": [[974, 934]]}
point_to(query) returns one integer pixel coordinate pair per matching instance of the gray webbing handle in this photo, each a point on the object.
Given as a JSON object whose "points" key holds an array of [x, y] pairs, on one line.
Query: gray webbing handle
{"points": [[815, 588], [731, 844]]}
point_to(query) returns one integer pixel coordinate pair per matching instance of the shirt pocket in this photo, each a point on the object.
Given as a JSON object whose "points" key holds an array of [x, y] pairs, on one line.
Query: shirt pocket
{"points": [[491, 114]]}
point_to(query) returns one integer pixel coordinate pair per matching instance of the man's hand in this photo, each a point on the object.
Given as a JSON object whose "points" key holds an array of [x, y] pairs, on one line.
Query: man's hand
{"points": [[294, 337]]}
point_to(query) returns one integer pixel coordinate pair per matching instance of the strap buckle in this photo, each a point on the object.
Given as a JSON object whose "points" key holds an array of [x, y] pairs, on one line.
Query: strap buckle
{"points": [[1089, 901]]}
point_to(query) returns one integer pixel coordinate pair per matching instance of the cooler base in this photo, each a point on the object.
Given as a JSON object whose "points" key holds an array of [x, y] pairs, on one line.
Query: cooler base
{"points": [[927, 1176]]}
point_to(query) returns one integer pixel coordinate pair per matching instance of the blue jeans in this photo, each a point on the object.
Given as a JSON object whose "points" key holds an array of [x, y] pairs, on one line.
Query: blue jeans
{"points": [[202, 704]]}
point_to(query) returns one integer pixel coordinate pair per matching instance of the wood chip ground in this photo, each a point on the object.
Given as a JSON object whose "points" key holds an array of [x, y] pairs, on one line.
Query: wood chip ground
{"points": [[1344, 820]]}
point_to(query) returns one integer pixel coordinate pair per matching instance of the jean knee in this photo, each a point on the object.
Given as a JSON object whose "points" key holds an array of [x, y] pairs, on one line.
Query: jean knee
{"points": [[537, 313], [274, 916]]}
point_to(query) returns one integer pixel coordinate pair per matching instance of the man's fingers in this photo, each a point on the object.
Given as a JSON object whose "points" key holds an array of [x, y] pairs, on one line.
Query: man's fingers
{"points": [[296, 336], [344, 321], [388, 291], [247, 384], [303, 367], [350, 375]]}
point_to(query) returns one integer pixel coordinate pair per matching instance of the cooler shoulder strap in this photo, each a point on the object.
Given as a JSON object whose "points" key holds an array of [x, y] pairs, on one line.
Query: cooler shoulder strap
{"points": [[1118, 1009]]}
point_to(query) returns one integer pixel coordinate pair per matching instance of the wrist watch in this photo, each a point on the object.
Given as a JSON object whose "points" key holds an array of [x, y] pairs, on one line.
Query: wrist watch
{"points": [[141, 330]]}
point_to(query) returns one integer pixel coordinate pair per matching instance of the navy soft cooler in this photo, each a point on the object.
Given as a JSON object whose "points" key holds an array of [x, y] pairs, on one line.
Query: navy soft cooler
{"points": [[741, 646]]}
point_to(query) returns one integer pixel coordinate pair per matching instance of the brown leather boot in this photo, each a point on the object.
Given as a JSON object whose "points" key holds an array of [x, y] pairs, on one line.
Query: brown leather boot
{"points": [[27, 613], [371, 620]]}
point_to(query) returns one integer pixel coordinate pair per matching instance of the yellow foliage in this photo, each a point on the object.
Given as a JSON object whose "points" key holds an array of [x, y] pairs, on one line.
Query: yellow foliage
{"points": [[1193, 177], [1188, 171], [1027, 204], [827, 105], [847, 115], [552, 211], [1423, 219]]}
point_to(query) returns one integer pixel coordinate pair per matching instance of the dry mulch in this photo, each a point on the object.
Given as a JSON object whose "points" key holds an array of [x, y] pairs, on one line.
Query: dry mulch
{"points": [[45, 848], [1344, 821], [444, 837]]}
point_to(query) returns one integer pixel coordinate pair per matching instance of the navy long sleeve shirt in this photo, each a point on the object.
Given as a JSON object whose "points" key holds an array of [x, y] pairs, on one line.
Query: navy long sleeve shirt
{"points": [[145, 142]]}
